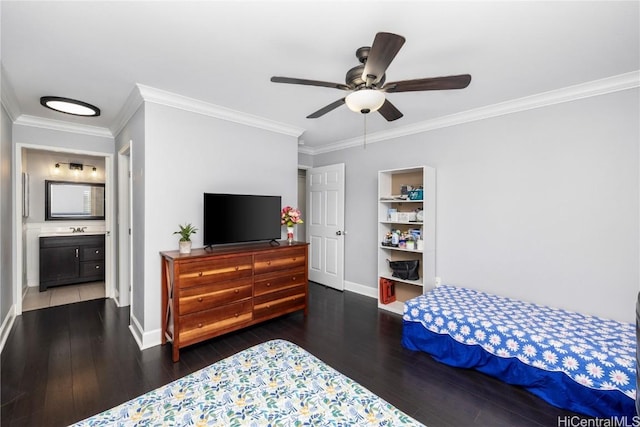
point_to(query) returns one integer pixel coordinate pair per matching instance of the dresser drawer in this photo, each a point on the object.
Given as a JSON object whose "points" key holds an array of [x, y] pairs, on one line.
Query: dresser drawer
{"points": [[198, 298], [202, 271], [197, 326], [279, 280], [279, 260], [93, 253], [92, 269], [281, 302]]}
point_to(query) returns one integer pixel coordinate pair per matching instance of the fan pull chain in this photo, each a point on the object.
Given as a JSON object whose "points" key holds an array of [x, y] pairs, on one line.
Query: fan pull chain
{"points": [[365, 132]]}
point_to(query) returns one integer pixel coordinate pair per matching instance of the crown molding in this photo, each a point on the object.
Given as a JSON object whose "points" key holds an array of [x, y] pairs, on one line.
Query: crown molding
{"points": [[306, 150], [51, 124], [570, 93], [8, 96], [129, 108], [169, 99]]}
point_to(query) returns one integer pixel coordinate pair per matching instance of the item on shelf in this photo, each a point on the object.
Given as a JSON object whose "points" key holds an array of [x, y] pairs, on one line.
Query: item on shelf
{"points": [[402, 243], [419, 215], [392, 214], [406, 216], [415, 233], [405, 189], [388, 240], [411, 245], [395, 237], [420, 244], [416, 194], [387, 291], [405, 270]]}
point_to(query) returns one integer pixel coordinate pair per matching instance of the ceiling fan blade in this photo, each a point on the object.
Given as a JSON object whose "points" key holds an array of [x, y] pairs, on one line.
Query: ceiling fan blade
{"points": [[389, 111], [430, 83], [324, 110], [306, 82], [384, 49]]}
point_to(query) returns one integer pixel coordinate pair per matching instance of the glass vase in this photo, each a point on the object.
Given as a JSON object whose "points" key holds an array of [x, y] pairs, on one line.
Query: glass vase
{"points": [[290, 235]]}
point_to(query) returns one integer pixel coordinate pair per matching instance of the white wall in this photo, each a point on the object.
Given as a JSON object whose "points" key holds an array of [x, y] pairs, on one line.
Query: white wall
{"points": [[52, 139], [540, 205], [6, 213], [134, 134], [185, 155]]}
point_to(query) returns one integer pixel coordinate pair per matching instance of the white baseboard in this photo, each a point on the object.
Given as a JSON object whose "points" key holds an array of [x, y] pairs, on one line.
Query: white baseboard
{"points": [[367, 291], [7, 324], [144, 339]]}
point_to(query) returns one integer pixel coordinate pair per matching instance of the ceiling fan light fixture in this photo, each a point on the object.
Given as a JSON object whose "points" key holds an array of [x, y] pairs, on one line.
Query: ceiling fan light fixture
{"points": [[365, 100], [69, 106]]}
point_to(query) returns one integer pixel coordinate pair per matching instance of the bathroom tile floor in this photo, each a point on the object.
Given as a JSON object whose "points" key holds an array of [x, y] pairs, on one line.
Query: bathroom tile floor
{"points": [[60, 295]]}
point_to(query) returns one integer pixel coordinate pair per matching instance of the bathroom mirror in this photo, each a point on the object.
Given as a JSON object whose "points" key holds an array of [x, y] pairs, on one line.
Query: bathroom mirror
{"points": [[73, 200]]}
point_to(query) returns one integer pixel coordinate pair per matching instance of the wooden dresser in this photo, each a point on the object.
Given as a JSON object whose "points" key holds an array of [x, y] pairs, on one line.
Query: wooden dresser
{"points": [[211, 292]]}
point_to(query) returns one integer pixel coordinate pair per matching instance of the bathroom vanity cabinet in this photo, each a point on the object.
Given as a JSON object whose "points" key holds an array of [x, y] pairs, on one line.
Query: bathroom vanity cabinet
{"points": [[66, 260]]}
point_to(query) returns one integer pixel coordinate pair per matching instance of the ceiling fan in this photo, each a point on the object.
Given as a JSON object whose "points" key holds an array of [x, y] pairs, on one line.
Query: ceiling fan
{"points": [[367, 81]]}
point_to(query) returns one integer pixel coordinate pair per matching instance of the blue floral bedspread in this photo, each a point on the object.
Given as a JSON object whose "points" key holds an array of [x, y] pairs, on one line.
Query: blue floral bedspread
{"points": [[594, 352], [272, 384]]}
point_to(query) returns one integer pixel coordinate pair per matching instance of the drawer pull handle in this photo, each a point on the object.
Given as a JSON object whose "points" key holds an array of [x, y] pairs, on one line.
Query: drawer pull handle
{"points": [[199, 299], [268, 284], [293, 278], [295, 259], [268, 262], [236, 290], [237, 314], [97, 267], [97, 252], [268, 306], [199, 273], [199, 325], [237, 268]]}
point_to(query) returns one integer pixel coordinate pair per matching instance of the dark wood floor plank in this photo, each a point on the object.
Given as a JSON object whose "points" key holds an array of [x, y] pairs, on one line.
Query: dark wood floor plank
{"points": [[62, 364]]}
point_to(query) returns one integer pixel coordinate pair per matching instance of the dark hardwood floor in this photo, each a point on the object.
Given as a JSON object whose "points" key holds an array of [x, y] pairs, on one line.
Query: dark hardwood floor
{"points": [[63, 364]]}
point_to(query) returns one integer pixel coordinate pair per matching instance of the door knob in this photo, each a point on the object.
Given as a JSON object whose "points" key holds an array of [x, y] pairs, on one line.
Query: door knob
{"points": [[338, 233]]}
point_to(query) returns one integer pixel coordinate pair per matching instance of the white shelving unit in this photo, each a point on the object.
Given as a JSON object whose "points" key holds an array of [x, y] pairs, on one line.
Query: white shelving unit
{"points": [[390, 183]]}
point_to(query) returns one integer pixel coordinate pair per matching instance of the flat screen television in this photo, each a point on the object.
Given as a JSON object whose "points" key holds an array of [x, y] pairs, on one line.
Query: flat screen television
{"points": [[238, 218]]}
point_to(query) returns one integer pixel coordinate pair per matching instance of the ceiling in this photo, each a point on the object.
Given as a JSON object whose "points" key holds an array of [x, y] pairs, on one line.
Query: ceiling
{"points": [[224, 53]]}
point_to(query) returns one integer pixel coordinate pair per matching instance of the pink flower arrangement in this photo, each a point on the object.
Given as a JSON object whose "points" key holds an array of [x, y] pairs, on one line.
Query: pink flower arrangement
{"points": [[290, 216]]}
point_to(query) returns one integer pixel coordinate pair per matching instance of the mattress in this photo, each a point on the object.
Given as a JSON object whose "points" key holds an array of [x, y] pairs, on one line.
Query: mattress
{"points": [[272, 384], [578, 362]]}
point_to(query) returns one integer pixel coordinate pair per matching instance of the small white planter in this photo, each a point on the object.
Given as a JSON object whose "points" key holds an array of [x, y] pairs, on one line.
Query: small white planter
{"points": [[185, 247]]}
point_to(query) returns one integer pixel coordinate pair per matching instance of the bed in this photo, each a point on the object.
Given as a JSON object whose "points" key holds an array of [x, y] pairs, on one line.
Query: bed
{"points": [[275, 383], [577, 362]]}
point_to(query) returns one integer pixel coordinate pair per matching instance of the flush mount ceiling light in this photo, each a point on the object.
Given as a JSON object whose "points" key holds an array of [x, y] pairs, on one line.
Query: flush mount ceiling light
{"points": [[365, 100], [69, 106]]}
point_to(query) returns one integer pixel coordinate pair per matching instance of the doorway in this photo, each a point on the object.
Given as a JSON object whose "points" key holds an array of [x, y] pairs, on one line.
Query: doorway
{"points": [[33, 164], [123, 290]]}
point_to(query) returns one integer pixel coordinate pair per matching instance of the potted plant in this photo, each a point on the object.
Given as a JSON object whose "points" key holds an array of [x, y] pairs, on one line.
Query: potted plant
{"points": [[185, 233], [290, 217]]}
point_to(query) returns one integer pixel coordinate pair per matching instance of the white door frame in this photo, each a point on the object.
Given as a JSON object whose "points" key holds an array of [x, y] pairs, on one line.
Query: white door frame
{"points": [[124, 226], [18, 232]]}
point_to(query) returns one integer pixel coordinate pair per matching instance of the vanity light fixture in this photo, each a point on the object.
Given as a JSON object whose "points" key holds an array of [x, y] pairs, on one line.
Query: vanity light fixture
{"points": [[76, 167], [69, 106]]}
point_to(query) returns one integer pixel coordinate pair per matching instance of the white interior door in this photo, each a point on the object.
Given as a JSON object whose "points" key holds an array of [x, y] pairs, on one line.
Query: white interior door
{"points": [[325, 225]]}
